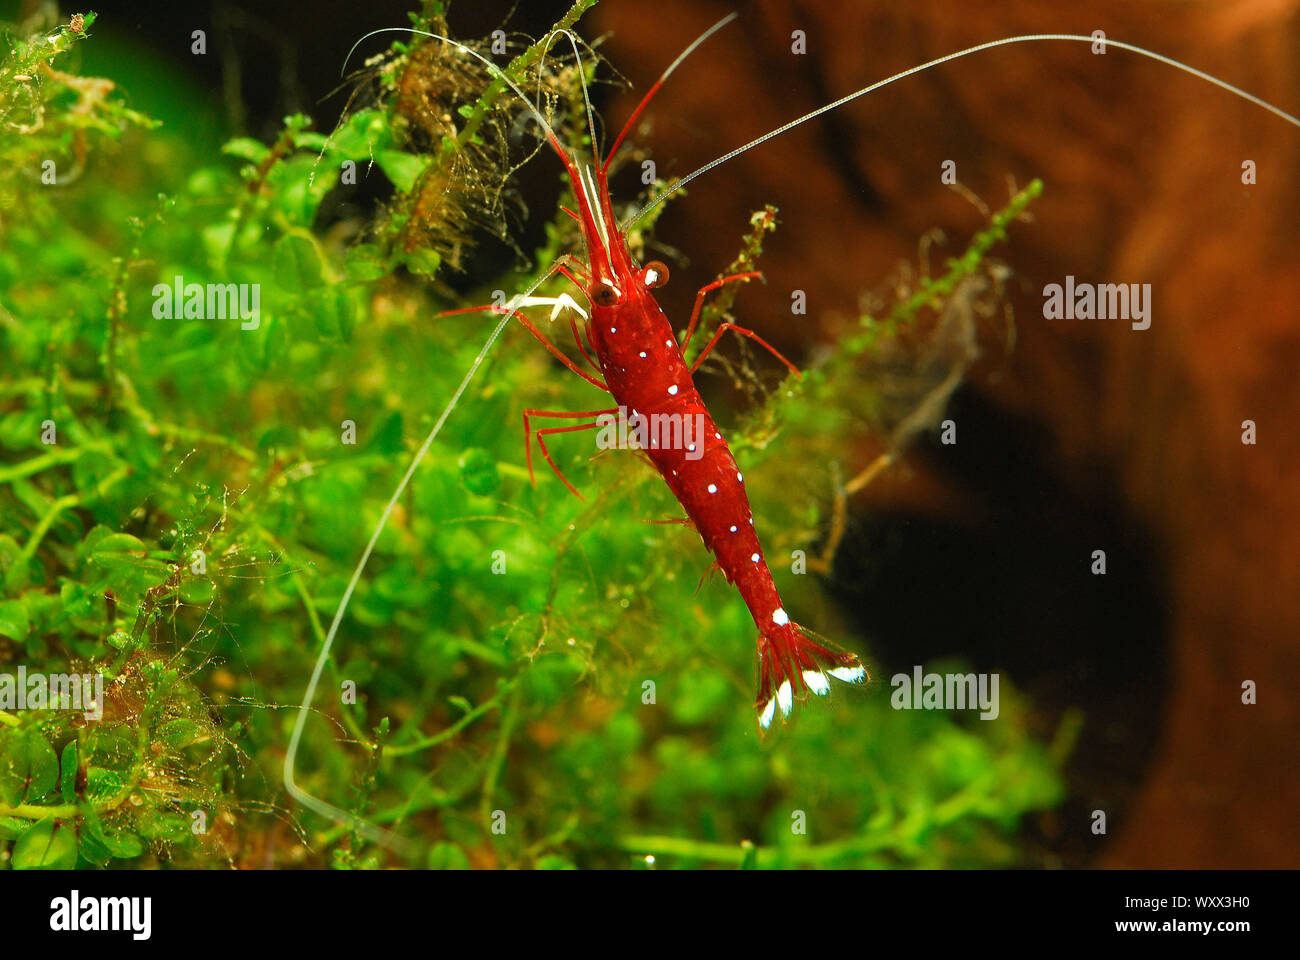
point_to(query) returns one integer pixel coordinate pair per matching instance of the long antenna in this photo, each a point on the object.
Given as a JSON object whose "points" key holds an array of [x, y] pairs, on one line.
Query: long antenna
{"points": [[582, 78], [604, 168], [1168, 61], [309, 801]]}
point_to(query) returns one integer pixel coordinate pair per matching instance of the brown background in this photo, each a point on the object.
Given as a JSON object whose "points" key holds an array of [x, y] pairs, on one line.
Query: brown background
{"points": [[1143, 173]]}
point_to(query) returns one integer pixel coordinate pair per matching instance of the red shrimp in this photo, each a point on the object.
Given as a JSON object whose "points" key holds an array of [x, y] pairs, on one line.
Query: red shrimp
{"points": [[646, 372]]}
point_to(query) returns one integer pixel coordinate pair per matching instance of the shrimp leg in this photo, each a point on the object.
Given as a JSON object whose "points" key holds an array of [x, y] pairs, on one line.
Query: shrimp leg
{"points": [[558, 414], [699, 301], [744, 332], [558, 266]]}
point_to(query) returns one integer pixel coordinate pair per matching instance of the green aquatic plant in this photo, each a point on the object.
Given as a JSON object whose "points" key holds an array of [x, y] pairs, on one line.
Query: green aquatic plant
{"points": [[523, 678]]}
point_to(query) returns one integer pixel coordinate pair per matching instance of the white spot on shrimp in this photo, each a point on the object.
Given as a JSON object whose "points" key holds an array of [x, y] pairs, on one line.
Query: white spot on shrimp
{"points": [[734, 528], [651, 278], [817, 682], [642, 354], [740, 476], [755, 557], [779, 617], [613, 329], [717, 436], [672, 391], [713, 488]]}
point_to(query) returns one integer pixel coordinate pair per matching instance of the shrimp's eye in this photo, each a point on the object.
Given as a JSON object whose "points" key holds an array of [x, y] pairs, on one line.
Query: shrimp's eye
{"points": [[604, 295], [656, 274]]}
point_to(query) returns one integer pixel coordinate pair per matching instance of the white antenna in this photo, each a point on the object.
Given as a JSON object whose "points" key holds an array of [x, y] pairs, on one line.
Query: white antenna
{"points": [[313, 803], [582, 78], [309, 801], [1169, 61]]}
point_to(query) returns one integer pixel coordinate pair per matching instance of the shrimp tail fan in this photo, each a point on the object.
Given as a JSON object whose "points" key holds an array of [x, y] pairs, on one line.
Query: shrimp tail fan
{"points": [[792, 662]]}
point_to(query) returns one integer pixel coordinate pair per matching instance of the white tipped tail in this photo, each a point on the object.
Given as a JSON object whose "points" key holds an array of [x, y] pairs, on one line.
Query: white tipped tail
{"points": [[791, 664]]}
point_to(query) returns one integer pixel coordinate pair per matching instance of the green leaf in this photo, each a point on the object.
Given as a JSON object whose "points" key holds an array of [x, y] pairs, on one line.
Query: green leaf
{"points": [[90, 468], [31, 496], [297, 188], [180, 733], [14, 622], [99, 844], [157, 825], [246, 148], [49, 845], [310, 140], [364, 263], [14, 569], [478, 472], [77, 600], [128, 560], [29, 768], [362, 135], [216, 239], [296, 264], [11, 828], [118, 639], [110, 548], [20, 429], [403, 169], [333, 311], [123, 845], [388, 438], [198, 591], [447, 856], [422, 262], [553, 862], [104, 784], [68, 773]]}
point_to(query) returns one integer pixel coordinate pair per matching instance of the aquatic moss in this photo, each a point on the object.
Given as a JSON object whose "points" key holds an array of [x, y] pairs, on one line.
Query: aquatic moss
{"points": [[523, 678]]}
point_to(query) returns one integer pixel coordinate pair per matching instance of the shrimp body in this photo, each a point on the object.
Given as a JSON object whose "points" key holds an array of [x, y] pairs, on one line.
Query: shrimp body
{"points": [[648, 376], [646, 372]]}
